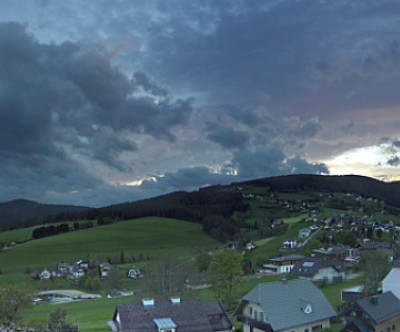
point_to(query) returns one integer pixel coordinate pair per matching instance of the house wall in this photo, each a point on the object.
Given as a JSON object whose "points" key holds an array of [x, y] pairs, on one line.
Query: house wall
{"points": [[249, 311], [309, 327], [389, 325], [286, 268], [328, 273], [253, 309]]}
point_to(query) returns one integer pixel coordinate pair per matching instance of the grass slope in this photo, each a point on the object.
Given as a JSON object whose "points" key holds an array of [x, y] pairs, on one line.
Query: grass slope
{"points": [[145, 236]]}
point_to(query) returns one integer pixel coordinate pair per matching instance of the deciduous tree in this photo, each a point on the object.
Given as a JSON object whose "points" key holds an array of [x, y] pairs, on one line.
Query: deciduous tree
{"points": [[375, 266], [12, 300], [226, 269], [57, 322]]}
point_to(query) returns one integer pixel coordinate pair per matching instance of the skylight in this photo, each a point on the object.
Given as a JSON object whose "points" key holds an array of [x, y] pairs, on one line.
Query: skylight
{"points": [[164, 323], [308, 264]]}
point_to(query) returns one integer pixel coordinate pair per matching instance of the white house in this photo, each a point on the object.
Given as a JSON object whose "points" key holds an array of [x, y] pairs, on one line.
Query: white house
{"points": [[289, 243], [392, 282], [282, 264], [285, 306], [318, 269], [44, 274], [135, 273]]}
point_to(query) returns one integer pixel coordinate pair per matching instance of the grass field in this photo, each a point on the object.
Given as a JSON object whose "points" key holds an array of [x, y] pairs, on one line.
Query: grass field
{"points": [[145, 236], [269, 247]]}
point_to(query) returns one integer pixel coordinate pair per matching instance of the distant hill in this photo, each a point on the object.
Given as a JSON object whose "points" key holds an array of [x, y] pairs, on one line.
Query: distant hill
{"points": [[361, 185], [201, 205], [20, 211]]}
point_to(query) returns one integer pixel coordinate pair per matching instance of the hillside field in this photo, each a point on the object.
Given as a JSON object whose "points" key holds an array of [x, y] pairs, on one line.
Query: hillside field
{"points": [[143, 237]]}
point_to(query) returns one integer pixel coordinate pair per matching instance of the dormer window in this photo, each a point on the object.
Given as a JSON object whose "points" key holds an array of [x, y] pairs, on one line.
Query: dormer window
{"points": [[307, 309]]}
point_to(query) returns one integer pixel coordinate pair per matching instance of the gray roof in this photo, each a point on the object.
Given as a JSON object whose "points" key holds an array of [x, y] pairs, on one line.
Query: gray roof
{"points": [[287, 258], [285, 303], [361, 324], [310, 266], [384, 307], [189, 315]]}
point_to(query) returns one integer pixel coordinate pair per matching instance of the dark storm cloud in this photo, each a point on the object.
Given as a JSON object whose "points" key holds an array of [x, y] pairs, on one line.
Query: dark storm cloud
{"points": [[394, 161], [252, 53], [250, 165], [227, 137], [245, 116], [383, 61], [59, 102], [189, 178], [270, 79], [72, 86], [305, 129], [272, 161], [144, 81]]}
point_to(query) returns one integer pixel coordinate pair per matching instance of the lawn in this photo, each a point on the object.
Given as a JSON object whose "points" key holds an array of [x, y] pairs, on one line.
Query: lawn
{"points": [[89, 315]]}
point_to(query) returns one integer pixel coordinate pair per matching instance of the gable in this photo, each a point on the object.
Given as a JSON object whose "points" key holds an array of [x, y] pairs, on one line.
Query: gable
{"points": [[291, 303]]}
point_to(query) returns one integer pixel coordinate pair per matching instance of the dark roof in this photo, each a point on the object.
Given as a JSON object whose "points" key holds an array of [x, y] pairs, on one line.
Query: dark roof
{"points": [[189, 315], [289, 303], [331, 250], [380, 307], [359, 324], [287, 258], [310, 266], [374, 245]]}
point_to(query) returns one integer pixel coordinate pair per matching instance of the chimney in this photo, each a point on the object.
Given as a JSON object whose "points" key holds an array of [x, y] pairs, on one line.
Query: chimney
{"points": [[148, 303], [374, 300], [175, 300]]}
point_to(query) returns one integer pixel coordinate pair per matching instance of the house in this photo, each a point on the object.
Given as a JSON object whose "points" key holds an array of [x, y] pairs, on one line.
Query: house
{"points": [[392, 282], [340, 253], [282, 264], [352, 293], [84, 265], [250, 245], [64, 267], [304, 232], [104, 268], [76, 271], [119, 293], [44, 274], [135, 273], [285, 306], [379, 313], [318, 269], [289, 243], [385, 248], [188, 315]]}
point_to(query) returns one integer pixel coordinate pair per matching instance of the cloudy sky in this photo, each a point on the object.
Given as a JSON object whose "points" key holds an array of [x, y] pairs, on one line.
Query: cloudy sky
{"points": [[110, 101]]}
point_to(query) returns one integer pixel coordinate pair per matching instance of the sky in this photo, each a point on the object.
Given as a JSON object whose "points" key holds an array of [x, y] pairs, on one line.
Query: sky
{"points": [[108, 101]]}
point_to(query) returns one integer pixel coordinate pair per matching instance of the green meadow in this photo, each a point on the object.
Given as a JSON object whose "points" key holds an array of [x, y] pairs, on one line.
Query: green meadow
{"points": [[143, 237]]}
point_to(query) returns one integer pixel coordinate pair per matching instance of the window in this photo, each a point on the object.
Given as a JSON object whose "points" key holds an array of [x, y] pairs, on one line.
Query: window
{"points": [[255, 314], [393, 327], [261, 317], [306, 330], [317, 327], [251, 311]]}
